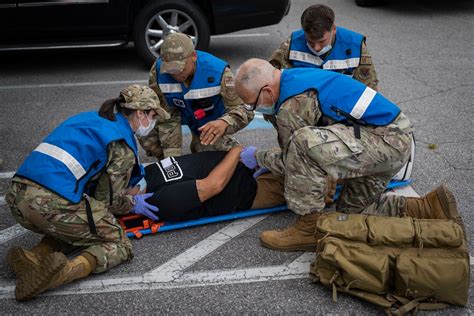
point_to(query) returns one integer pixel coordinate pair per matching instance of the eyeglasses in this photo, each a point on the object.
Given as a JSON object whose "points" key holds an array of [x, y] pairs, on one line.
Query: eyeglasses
{"points": [[251, 107]]}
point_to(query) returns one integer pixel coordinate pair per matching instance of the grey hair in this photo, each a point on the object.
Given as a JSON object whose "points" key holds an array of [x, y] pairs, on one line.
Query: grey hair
{"points": [[254, 74]]}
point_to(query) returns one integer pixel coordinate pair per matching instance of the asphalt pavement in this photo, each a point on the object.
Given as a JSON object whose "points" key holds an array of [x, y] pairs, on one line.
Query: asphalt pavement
{"points": [[423, 53]]}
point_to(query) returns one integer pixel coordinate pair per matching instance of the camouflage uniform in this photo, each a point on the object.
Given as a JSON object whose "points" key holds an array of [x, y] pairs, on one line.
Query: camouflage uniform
{"points": [[364, 73], [43, 211], [166, 139], [308, 154]]}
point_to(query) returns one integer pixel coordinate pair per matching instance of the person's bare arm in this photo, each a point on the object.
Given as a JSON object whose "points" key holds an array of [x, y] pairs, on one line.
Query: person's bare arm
{"points": [[218, 178]]}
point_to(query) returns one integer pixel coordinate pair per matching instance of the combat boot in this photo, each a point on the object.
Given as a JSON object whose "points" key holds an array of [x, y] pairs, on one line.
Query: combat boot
{"points": [[49, 272], [297, 237], [32, 271], [49, 245], [437, 204], [19, 259]]}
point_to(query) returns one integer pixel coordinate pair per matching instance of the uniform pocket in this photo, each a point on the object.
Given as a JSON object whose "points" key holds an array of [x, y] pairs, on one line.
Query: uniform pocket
{"points": [[400, 142], [338, 143], [99, 210]]}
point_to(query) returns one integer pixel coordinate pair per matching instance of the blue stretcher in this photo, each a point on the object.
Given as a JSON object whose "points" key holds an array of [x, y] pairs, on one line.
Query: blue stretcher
{"points": [[141, 225]]}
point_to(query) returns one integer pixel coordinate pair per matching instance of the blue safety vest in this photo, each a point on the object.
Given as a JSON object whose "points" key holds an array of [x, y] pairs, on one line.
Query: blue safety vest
{"points": [[201, 102], [75, 152], [343, 57], [341, 98]]}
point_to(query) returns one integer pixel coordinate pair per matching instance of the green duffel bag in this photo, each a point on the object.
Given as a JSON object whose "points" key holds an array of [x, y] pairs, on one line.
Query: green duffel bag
{"points": [[398, 263]]}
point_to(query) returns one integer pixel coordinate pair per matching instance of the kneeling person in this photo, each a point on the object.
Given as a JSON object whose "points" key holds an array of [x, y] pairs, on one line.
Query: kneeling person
{"points": [[197, 89]]}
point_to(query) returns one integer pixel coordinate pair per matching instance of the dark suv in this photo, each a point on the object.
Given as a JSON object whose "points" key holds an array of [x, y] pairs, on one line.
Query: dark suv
{"points": [[45, 24]]}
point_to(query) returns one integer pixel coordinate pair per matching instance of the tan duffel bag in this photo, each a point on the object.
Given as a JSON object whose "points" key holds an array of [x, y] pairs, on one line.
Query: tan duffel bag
{"points": [[398, 263]]}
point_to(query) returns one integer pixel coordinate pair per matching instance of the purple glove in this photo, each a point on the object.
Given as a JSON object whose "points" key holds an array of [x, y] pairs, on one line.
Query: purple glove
{"points": [[260, 171], [248, 157], [143, 208]]}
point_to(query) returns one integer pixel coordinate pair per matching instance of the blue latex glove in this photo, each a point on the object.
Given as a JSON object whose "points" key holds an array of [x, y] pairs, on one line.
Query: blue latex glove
{"points": [[260, 171], [248, 157], [143, 208]]}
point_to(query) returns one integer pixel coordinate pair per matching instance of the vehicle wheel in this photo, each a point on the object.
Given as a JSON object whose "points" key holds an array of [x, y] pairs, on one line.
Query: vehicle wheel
{"points": [[158, 19], [370, 3]]}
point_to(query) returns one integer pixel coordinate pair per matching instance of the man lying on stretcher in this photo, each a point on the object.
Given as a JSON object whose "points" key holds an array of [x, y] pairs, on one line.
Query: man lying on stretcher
{"points": [[208, 184]]}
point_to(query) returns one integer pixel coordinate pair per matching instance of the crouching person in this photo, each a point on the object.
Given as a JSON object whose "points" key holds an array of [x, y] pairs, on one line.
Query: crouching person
{"points": [[70, 187]]}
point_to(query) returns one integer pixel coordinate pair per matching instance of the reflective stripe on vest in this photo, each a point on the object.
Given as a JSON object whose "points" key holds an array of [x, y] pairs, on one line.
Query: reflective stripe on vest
{"points": [[363, 103], [344, 55], [170, 87], [340, 98], [305, 57], [60, 154], [202, 93], [341, 64]]}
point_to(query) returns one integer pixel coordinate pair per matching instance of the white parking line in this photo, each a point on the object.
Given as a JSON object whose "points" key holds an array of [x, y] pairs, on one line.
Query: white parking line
{"points": [[172, 269], [73, 84], [172, 274], [298, 269], [274, 273], [241, 35], [6, 175]]}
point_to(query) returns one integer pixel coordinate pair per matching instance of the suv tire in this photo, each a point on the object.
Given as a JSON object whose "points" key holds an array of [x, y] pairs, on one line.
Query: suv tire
{"points": [[157, 19]]}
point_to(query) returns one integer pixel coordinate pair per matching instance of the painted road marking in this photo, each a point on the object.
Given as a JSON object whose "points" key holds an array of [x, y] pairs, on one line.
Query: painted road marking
{"points": [[298, 269], [241, 35], [73, 84], [172, 273], [6, 175], [173, 269], [119, 82]]}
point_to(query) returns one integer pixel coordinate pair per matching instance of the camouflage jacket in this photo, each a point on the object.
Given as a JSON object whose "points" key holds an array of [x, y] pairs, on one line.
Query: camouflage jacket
{"points": [[115, 176], [166, 139], [364, 73], [297, 112], [303, 110]]}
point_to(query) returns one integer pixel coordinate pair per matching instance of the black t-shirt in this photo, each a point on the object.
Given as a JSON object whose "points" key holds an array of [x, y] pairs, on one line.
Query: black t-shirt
{"points": [[173, 182]]}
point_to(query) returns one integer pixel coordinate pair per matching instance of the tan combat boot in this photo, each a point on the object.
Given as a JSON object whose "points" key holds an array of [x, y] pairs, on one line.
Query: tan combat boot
{"points": [[437, 204], [297, 237], [35, 274], [49, 245]]}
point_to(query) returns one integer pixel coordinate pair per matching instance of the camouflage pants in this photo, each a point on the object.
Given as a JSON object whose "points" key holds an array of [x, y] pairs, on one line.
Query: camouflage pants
{"points": [[224, 143], [364, 165], [43, 212]]}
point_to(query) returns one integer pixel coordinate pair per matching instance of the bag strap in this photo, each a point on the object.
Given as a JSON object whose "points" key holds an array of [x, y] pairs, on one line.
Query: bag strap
{"points": [[415, 304]]}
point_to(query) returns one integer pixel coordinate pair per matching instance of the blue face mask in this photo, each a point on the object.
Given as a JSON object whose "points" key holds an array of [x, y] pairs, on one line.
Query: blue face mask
{"points": [[265, 109], [268, 110]]}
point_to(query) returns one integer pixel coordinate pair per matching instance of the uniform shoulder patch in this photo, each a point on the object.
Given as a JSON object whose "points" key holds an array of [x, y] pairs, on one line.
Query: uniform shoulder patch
{"points": [[364, 73], [366, 60], [229, 82]]}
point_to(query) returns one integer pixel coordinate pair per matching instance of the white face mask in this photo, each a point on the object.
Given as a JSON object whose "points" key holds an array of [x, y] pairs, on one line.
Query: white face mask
{"points": [[144, 131], [323, 50]]}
